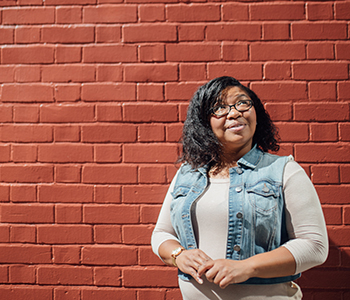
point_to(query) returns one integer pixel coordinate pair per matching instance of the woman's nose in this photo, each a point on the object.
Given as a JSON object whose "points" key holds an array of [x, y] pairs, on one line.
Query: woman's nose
{"points": [[234, 113]]}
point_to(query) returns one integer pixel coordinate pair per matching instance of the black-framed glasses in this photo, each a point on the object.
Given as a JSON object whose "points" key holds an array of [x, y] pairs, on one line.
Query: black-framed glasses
{"points": [[222, 110]]}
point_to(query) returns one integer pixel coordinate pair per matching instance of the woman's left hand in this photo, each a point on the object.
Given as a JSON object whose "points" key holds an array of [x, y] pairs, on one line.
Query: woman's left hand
{"points": [[226, 271]]}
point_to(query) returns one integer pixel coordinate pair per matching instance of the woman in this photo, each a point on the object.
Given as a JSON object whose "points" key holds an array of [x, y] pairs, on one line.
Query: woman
{"points": [[238, 222]]}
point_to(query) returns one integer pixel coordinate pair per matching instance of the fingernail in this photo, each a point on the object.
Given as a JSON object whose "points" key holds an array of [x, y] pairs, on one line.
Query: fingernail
{"points": [[200, 280]]}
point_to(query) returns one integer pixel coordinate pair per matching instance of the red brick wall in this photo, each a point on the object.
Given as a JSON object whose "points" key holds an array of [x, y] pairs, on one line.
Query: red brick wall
{"points": [[93, 95]]}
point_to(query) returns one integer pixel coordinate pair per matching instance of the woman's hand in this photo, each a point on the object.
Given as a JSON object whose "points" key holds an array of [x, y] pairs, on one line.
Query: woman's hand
{"points": [[189, 261], [226, 271]]}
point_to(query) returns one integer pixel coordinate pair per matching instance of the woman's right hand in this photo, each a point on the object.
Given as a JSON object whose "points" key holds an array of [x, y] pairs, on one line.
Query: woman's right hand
{"points": [[189, 262]]}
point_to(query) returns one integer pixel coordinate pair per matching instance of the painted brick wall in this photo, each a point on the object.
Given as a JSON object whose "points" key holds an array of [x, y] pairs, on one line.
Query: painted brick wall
{"points": [[93, 95]]}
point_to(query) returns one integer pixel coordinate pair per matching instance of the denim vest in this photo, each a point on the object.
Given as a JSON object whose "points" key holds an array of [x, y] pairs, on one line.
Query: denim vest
{"points": [[256, 218]]}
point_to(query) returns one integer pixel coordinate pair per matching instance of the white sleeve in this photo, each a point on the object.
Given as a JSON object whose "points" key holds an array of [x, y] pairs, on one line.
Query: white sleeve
{"points": [[304, 217], [163, 230]]}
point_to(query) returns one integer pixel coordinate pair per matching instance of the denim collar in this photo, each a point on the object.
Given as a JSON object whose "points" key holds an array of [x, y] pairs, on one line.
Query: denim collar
{"points": [[251, 159]]}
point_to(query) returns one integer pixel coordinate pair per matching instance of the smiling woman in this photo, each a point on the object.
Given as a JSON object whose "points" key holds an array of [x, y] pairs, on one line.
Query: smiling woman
{"points": [[235, 216]]}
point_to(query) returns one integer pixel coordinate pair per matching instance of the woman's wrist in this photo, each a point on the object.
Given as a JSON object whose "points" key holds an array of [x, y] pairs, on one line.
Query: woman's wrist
{"points": [[175, 253]]}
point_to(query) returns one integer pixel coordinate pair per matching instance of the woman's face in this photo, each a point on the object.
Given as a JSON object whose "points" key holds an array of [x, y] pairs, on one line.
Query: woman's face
{"points": [[235, 130]]}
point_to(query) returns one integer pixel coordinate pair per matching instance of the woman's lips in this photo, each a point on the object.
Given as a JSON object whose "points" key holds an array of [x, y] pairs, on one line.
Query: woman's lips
{"points": [[235, 127]]}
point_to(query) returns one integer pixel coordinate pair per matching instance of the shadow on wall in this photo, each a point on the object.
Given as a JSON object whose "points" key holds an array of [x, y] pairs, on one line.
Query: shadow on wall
{"points": [[331, 281]]}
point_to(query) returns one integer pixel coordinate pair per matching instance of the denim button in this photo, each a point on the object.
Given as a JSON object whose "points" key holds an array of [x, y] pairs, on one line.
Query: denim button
{"points": [[239, 215], [238, 189], [239, 171], [236, 248]]}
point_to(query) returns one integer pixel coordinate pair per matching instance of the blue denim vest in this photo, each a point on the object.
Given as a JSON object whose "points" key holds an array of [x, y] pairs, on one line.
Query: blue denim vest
{"points": [[256, 218]]}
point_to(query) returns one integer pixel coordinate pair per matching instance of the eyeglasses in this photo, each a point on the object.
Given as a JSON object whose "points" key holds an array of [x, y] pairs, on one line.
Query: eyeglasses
{"points": [[222, 110]]}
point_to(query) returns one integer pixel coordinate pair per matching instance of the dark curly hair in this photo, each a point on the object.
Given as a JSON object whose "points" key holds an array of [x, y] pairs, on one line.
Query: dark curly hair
{"points": [[200, 145]]}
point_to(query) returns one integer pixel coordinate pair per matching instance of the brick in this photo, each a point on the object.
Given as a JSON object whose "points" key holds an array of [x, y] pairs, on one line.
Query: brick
{"points": [[64, 193], [69, 2], [344, 90], [193, 12], [68, 34], [342, 50], [339, 235], [333, 194], [110, 14], [109, 133], [67, 92], [65, 153], [22, 274], [68, 54], [154, 294], [5, 233], [27, 93], [64, 234], [234, 32], [67, 133], [108, 153], [109, 53], [191, 72], [151, 132], [279, 111], [68, 15], [6, 35], [325, 152], [5, 153], [107, 234], [346, 214], [137, 234], [234, 52], [319, 91], [277, 51], [320, 51], [150, 112], [150, 92], [67, 173], [150, 277], [109, 294], [108, 34], [332, 214], [150, 153], [111, 214], [149, 33], [33, 254], [28, 293], [27, 213], [173, 294], [4, 193], [333, 258], [108, 92], [109, 73], [182, 112], [319, 11], [344, 173], [109, 174], [152, 53], [276, 31], [152, 174], [66, 254], [68, 73], [174, 132], [293, 132], [149, 214], [341, 10], [277, 11], [152, 13], [24, 153], [109, 255], [26, 173], [107, 194], [324, 132], [239, 70], [27, 35], [6, 113], [152, 194], [66, 293], [318, 31], [27, 74], [28, 15], [191, 32], [321, 112], [151, 72], [107, 276], [65, 275], [67, 113], [147, 257], [325, 174], [7, 74], [235, 12], [280, 90], [23, 234], [28, 54], [319, 70], [68, 213], [193, 52]]}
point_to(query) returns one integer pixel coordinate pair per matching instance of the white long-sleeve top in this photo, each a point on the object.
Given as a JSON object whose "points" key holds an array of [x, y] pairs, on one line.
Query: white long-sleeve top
{"points": [[305, 225]]}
